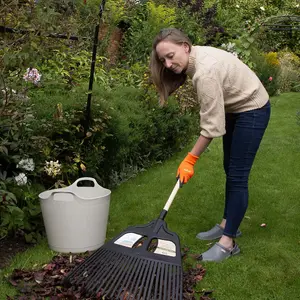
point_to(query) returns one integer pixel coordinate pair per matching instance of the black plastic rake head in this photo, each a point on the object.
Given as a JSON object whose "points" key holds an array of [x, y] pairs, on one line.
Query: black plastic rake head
{"points": [[143, 262]]}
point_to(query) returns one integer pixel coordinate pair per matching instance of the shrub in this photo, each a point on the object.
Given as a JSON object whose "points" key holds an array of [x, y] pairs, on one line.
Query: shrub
{"points": [[140, 132], [267, 68], [289, 77], [19, 208], [145, 22], [41, 150]]}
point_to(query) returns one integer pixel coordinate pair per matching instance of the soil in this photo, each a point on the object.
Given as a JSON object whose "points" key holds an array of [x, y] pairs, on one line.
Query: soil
{"points": [[9, 247]]}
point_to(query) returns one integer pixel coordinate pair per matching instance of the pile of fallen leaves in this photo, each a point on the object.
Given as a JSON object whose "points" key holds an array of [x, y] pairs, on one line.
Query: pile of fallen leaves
{"points": [[48, 281]]}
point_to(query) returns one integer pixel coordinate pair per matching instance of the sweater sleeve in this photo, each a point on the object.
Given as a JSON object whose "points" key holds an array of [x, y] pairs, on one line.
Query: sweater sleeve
{"points": [[212, 108]]}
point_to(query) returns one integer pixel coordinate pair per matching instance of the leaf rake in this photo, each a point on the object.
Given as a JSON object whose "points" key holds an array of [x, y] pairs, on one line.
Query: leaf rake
{"points": [[143, 262]]}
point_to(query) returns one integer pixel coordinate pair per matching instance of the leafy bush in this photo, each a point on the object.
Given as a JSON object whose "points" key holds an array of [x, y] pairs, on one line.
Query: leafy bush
{"points": [[42, 150], [19, 208], [139, 132], [289, 77], [145, 22], [267, 68], [272, 39], [33, 43]]}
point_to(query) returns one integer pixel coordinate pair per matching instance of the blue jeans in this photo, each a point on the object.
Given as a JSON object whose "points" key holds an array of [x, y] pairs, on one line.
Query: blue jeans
{"points": [[244, 132]]}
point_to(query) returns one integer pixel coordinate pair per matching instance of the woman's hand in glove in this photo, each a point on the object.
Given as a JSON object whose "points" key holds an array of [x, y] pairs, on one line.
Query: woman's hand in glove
{"points": [[186, 169]]}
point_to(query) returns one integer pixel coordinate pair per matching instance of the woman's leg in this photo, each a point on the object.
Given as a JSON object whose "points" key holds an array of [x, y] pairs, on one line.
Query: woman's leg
{"points": [[249, 128], [227, 141]]}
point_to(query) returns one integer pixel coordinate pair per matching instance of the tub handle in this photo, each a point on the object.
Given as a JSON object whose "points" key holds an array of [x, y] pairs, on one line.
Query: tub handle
{"points": [[85, 179]]}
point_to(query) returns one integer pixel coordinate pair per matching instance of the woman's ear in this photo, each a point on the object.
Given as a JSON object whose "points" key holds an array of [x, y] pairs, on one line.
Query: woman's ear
{"points": [[186, 47]]}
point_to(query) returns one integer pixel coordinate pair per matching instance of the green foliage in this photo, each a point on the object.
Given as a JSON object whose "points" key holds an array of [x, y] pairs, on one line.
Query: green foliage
{"points": [[289, 77], [17, 208], [245, 49], [139, 132], [256, 17], [114, 11], [8, 208], [20, 211], [128, 133], [69, 68], [267, 69], [32, 45], [272, 39], [146, 21], [199, 22], [190, 25]]}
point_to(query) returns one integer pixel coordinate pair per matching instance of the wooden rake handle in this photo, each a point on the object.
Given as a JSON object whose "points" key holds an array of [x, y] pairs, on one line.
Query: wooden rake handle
{"points": [[172, 196]]}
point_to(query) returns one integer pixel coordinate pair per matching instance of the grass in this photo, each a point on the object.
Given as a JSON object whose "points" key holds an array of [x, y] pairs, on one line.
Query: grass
{"points": [[269, 264]]}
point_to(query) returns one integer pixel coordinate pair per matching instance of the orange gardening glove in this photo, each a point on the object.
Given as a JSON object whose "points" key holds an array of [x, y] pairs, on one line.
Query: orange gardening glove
{"points": [[186, 169]]}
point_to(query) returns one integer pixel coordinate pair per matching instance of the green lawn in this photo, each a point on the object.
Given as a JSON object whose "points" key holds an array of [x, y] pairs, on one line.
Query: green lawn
{"points": [[269, 264]]}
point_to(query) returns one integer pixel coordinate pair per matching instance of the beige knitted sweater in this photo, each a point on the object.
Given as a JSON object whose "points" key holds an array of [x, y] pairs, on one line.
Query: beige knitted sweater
{"points": [[223, 84]]}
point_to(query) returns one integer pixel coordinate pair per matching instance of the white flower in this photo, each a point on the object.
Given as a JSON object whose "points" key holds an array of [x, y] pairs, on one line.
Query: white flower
{"points": [[21, 179], [135, 1], [26, 164], [230, 47], [7, 91], [297, 5], [262, 8], [52, 168], [237, 6], [32, 75]]}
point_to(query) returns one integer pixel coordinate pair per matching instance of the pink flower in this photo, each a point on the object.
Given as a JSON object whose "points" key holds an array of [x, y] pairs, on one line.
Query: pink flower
{"points": [[32, 75], [270, 78]]}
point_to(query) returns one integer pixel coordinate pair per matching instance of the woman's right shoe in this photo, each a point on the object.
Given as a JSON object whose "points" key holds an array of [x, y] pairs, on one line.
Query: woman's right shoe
{"points": [[215, 233], [218, 253]]}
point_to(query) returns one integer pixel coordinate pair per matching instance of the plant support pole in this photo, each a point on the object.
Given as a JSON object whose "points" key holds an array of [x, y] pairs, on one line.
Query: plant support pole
{"points": [[92, 71]]}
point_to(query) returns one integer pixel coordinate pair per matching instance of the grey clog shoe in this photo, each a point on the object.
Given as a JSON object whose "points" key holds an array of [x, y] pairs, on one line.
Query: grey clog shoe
{"points": [[219, 253], [215, 233]]}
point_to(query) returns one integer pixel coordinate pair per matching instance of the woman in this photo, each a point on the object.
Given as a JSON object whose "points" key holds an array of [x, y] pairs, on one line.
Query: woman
{"points": [[234, 104]]}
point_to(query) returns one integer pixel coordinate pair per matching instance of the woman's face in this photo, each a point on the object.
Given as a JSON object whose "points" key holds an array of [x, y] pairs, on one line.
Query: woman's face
{"points": [[173, 56]]}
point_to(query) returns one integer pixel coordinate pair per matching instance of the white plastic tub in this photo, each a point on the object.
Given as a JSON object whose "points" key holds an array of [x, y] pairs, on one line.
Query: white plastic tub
{"points": [[76, 217]]}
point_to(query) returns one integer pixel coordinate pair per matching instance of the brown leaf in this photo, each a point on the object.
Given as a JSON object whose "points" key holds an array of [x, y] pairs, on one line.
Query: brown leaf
{"points": [[39, 276], [198, 277]]}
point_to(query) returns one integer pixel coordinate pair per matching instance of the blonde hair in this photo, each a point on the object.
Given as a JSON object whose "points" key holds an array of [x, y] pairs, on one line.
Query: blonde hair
{"points": [[165, 80]]}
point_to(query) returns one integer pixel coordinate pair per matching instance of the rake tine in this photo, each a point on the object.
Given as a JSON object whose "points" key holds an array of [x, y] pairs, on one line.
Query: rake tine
{"points": [[134, 282], [161, 280], [152, 279], [143, 292], [166, 281], [116, 271], [78, 275], [105, 272], [174, 284], [121, 275], [141, 277], [157, 278], [127, 279], [179, 287], [170, 283], [121, 265], [145, 278], [83, 266]]}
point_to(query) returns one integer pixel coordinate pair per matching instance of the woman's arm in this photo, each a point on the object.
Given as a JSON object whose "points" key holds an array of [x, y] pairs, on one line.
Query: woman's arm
{"points": [[200, 145]]}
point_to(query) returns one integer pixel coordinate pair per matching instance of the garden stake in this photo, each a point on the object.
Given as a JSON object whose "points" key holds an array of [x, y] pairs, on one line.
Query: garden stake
{"points": [[131, 267], [92, 71]]}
